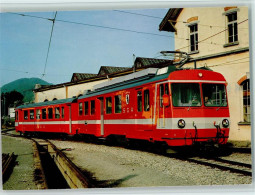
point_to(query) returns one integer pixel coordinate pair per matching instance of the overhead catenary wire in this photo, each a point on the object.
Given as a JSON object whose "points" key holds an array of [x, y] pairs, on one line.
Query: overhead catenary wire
{"points": [[32, 73], [94, 25], [46, 61], [112, 28], [145, 15]]}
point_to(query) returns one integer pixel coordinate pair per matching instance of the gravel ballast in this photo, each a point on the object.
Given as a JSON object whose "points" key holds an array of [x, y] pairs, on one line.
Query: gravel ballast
{"points": [[119, 167]]}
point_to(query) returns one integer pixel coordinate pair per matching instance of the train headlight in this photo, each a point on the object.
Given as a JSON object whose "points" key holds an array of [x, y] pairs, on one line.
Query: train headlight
{"points": [[181, 123], [225, 123]]}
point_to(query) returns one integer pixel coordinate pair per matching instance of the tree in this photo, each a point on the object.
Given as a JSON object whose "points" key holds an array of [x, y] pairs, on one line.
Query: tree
{"points": [[9, 99]]}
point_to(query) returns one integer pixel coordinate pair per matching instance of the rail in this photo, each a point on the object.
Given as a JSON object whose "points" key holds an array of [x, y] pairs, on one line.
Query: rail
{"points": [[71, 173]]}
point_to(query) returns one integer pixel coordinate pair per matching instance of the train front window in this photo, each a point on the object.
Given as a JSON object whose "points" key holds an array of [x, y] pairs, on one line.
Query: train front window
{"points": [[214, 95], [186, 94]]}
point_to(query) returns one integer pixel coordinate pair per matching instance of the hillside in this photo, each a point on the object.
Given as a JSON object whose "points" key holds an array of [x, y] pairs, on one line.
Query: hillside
{"points": [[24, 86]]}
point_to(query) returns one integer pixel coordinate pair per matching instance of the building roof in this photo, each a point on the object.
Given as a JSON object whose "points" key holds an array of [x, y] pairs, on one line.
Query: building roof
{"points": [[104, 70], [172, 14], [112, 72], [81, 76], [151, 62]]}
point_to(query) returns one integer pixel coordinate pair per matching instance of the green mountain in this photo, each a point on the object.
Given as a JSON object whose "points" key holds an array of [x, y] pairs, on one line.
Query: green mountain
{"points": [[25, 86]]}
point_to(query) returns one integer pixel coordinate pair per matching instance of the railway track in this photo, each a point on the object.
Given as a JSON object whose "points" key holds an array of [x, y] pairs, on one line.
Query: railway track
{"points": [[7, 162], [222, 164], [73, 177], [219, 163]]}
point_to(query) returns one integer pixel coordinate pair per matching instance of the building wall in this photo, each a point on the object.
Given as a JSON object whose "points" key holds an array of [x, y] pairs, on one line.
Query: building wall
{"points": [[65, 91], [210, 22]]}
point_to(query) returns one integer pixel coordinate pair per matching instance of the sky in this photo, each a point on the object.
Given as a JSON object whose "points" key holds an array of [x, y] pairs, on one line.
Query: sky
{"points": [[77, 47]]}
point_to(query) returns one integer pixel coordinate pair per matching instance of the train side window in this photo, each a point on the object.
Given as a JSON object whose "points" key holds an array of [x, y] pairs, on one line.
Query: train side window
{"points": [[146, 100], [139, 101], [86, 108], [50, 113], [108, 105], [161, 93], [80, 108], [32, 114], [117, 103], [38, 114], [57, 113], [92, 107], [63, 112], [166, 89], [25, 114], [44, 113]]}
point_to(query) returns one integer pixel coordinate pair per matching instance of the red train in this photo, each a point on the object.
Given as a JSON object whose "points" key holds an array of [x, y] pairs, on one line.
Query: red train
{"points": [[167, 105]]}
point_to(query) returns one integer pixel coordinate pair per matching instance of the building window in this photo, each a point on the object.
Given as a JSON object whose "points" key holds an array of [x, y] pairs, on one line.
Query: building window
{"points": [[108, 105], [92, 107], [80, 108], [193, 37], [139, 101], [146, 100], [86, 108], [57, 113], [232, 27], [246, 101], [117, 102]]}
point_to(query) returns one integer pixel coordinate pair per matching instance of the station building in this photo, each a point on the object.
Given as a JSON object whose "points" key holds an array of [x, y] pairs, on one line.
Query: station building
{"points": [[218, 38], [82, 82]]}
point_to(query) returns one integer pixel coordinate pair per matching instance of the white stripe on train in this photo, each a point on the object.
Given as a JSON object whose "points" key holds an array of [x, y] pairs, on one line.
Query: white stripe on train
{"points": [[167, 123]]}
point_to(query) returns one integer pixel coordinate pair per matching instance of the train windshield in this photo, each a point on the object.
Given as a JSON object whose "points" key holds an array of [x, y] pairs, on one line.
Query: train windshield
{"points": [[214, 94], [186, 94]]}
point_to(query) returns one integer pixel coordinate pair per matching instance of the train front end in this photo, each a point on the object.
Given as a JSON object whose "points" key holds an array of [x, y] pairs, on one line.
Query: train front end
{"points": [[199, 112]]}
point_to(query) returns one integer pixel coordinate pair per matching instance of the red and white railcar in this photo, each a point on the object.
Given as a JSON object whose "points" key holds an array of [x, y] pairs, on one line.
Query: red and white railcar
{"points": [[178, 107]]}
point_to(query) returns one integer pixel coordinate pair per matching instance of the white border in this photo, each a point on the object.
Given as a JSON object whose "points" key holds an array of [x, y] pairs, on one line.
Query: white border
{"points": [[50, 5]]}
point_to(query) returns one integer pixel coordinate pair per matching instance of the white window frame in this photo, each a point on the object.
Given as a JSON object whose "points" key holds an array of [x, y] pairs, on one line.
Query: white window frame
{"points": [[195, 35], [231, 25]]}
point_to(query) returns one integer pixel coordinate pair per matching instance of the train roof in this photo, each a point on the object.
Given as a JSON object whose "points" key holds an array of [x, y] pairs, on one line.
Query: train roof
{"points": [[133, 80], [48, 103]]}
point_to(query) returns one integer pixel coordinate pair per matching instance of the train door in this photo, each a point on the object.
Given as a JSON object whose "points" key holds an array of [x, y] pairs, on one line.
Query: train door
{"points": [[101, 99], [70, 117], [162, 92]]}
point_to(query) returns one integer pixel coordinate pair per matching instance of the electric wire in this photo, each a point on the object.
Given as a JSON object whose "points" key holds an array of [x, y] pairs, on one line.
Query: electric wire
{"points": [[94, 25], [127, 12], [53, 22]]}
